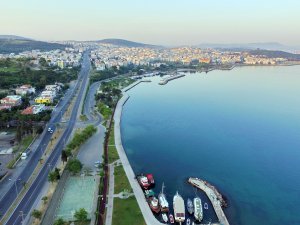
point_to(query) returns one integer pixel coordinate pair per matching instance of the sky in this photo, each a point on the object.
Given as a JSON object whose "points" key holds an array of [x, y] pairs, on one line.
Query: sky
{"points": [[165, 22]]}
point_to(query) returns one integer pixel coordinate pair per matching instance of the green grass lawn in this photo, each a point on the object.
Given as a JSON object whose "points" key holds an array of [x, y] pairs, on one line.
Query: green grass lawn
{"points": [[112, 151], [127, 211], [121, 180], [26, 141], [9, 69]]}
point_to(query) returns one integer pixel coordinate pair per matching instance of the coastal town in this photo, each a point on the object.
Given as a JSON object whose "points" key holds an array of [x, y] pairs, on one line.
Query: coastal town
{"points": [[64, 102]]}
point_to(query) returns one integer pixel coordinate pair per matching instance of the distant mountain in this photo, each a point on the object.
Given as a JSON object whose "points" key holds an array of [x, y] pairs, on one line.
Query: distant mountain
{"points": [[126, 43], [16, 44], [13, 37], [275, 54], [250, 46]]}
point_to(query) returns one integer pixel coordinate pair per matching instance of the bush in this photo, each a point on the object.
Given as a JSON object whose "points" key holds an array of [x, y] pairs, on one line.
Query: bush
{"points": [[74, 166], [59, 221], [36, 214], [81, 215]]}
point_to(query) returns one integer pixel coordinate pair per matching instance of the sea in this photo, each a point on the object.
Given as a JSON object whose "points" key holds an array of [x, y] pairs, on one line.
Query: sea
{"points": [[239, 130]]}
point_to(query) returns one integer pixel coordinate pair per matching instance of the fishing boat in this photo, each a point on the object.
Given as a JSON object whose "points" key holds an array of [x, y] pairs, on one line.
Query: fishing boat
{"points": [[164, 217], [149, 193], [171, 218], [188, 221], [164, 205], [190, 206], [150, 179], [154, 205], [198, 212], [143, 181], [205, 205], [179, 209]]}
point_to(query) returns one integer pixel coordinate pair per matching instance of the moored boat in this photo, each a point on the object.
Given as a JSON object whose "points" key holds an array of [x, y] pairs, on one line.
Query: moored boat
{"points": [[198, 212], [179, 209], [164, 217], [143, 181], [150, 179], [190, 206], [149, 193], [154, 205], [164, 205], [171, 218], [205, 205]]}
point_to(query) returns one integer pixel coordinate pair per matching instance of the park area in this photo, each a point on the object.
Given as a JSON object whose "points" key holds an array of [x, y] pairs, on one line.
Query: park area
{"points": [[79, 193]]}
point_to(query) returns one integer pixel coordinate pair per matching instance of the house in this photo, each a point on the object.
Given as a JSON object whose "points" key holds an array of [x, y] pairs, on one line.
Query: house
{"points": [[25, 89], [11, 100], [34, 109], [43, 100]]}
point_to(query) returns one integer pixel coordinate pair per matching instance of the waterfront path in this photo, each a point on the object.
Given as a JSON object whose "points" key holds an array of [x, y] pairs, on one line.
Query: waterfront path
{"points": [[148, 216], [212, 197], [110, 197]]}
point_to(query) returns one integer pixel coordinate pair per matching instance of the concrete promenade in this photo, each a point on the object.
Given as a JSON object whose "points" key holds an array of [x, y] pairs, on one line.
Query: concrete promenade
{"points": [[212, 197], [148, 216]]}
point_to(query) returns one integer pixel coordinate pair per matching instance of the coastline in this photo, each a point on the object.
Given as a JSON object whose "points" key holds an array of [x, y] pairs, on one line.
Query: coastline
{"points": [[140, 197]]}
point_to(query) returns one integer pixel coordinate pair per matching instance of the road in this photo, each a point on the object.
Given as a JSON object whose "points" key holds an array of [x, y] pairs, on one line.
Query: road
{"points": [[29, 198]]}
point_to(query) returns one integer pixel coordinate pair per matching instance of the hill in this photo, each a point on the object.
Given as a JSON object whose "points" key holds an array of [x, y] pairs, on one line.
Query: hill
{"points": [[16, 44], [275, 54], [250, 46], [126, 43]]}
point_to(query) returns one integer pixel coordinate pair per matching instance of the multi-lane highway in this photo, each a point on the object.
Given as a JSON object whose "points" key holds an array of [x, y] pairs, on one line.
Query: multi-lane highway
{"points": [[27, 201]]}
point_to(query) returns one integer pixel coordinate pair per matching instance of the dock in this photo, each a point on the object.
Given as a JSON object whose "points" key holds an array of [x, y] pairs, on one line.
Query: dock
{"points": [[214, 196], [166, 80]]}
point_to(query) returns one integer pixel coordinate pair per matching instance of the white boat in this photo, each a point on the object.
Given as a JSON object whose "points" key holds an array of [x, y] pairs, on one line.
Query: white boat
{"points": [[190, 206], [205, 205], [164, 205], [164, 217], [179, 208], [198, 211]]}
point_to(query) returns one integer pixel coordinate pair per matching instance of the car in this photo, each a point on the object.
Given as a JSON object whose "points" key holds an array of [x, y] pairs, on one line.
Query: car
{"points": [[49, 129], [24, 156]]}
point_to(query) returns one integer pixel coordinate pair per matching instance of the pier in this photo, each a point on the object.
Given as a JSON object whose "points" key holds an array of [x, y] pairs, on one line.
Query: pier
{"points": [[214, 196], [166, 80]]}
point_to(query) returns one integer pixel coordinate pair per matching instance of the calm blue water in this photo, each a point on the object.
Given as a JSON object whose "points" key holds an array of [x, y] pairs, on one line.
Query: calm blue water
{"points": [[239, 130]]}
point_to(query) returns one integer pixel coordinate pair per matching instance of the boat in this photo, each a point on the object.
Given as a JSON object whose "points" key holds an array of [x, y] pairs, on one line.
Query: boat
{"points": [[154, 205], [164, 217], [171, 218], [143, 181], [179, 209], [149, 193], [150, 179], [164, 205], [188, 221], [198, 212], [205, 205], [190, 206]]}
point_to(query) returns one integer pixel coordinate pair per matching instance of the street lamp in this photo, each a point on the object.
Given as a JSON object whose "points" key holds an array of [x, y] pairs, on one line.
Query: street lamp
{"points": [[15, 182]]}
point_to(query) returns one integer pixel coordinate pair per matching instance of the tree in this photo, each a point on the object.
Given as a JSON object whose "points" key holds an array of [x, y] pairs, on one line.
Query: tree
{"points": [[37, 214], [64, 156], [59, 221], [81, 215], [54, 175], [45, 199], [74, 166]]}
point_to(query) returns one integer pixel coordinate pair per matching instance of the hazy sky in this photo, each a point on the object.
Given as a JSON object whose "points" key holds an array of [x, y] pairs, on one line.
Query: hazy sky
{"points": [[168, 22]]}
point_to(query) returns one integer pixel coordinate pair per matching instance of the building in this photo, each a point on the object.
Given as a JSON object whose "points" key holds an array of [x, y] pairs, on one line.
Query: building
{"points": [[61, 64], [34, 109], [52, 87], [43, 100], [49, 94], [11, 100], [25, 89]]}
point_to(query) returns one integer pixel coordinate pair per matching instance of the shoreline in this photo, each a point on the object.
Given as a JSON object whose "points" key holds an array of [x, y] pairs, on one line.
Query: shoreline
{"points": [[138, 192]]}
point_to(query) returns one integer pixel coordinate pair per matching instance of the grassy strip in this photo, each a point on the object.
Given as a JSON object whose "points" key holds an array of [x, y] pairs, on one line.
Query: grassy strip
{"points": [[127, 211], [112, 150], [121, 180], [104, 110]]}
